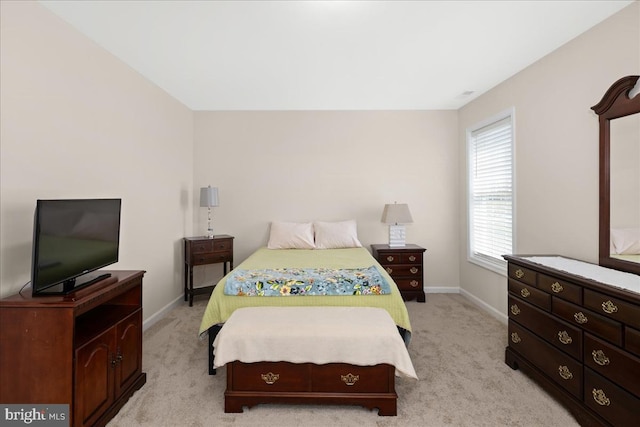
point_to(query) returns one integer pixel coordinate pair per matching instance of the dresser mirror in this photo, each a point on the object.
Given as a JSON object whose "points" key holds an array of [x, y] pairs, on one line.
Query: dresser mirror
{"points": [[619, 118]]}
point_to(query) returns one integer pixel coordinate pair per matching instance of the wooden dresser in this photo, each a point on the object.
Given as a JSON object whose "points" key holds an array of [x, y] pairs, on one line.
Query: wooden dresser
{"points": [[578, 338]]}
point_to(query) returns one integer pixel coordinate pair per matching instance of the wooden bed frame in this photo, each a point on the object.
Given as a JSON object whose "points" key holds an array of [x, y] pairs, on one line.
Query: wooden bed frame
{"points": [[249, 384]]}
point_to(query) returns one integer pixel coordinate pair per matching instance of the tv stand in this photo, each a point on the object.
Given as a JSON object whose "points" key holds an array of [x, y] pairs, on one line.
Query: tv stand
{"points": [[83, 349]]}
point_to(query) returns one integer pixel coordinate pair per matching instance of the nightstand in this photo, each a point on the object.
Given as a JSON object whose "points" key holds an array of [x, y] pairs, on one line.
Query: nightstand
{"points": [[201, 251], [405, 266]]}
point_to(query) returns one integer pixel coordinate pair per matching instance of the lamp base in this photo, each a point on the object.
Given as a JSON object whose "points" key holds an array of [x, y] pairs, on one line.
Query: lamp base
{"points": [[397, 235]]}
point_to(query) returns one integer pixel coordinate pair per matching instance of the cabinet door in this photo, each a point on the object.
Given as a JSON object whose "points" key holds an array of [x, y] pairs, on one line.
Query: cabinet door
{"points": [[94, 378], [128, 351]]}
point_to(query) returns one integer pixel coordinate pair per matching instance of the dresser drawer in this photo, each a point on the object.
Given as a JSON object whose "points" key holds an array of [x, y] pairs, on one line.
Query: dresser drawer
{"points": [[345, 378], [611, 402], [409, 284], [212, 257], [404, 270], [615, 364], [612, 307], [558, 366], [268, 376], [562, 335], [531, 294], [560, 288], [632, 340], [522, 274], [599, 325]]}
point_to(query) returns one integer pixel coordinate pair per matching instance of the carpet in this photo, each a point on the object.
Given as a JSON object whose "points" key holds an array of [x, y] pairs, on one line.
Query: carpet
{"points": [[457, 350]]}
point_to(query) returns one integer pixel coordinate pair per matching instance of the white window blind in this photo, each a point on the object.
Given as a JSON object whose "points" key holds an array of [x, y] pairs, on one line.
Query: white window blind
{"points": [[491, 193]]}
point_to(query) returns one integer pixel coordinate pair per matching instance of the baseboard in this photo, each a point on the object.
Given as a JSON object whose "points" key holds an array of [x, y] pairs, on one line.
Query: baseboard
{"points": [[161, 313], [486, 307], [442, 290]]}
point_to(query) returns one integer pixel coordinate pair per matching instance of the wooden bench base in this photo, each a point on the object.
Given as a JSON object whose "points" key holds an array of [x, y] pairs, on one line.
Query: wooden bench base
{"points": [[249, 384]]}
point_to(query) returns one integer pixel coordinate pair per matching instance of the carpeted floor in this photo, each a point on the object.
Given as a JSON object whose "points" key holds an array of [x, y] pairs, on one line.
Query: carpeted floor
{"points": [[456, 348]]}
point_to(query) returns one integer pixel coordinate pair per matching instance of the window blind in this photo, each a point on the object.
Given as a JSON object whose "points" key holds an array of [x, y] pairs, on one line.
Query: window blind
{"points": [[491, 192]]}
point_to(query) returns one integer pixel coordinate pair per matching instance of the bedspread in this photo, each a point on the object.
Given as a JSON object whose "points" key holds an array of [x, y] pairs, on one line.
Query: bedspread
{"points": [[221, 306], [363, 336], [306, 282]]}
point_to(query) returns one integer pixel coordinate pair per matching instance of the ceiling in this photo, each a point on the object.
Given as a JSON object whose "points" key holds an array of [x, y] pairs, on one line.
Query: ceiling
{"points": [[330, 55]]}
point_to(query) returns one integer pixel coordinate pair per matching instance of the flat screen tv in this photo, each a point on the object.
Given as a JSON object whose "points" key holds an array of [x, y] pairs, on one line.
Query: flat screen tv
{"points": [[71, 240]]}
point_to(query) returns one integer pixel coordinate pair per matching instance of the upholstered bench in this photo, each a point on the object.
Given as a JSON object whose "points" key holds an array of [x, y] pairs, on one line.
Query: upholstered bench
{"points": [[312, 355]]}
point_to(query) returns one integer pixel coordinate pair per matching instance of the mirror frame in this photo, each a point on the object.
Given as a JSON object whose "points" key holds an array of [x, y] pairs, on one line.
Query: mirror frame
{"points": [[614, 104]]}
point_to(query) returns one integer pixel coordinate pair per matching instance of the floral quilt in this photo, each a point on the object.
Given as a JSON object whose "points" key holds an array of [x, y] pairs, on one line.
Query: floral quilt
{"points": [[306, 281]]}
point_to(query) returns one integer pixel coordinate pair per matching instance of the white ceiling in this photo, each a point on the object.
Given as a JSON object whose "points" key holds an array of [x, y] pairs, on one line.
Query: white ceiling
{"points": [[330, 55]]}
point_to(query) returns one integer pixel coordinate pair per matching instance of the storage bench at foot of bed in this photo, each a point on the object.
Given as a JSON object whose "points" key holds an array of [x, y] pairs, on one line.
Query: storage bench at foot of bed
{"points": [[249, 384]]}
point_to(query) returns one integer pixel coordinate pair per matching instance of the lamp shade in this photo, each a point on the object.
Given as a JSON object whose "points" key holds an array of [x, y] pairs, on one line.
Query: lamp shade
{"points": [[397, 213], [208, 197]]}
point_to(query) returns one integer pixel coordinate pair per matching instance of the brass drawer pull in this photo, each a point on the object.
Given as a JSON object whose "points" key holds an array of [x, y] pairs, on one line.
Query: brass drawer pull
{"points": [[519, 274], [389, 270], [564, 337], [270, 377], [525, 292], [600, 398], [564, 372], [515, 310], [349, 379], [390, 258], [556, 287], [609, 307], [413, 270], [412, 258], [600, 358], [515, 337], [580, 318], [414, 283]]}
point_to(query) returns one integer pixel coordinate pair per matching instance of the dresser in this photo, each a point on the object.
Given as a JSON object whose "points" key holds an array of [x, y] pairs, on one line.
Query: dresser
{"points": [[405, 266], [574, 327], [202, 251]]}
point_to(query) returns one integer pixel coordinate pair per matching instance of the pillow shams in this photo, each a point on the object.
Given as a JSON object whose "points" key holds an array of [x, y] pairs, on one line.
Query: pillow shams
{"points": [[291, 235], [336, 235]]}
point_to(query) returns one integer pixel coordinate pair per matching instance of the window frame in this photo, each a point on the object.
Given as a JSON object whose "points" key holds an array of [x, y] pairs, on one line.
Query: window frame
{"points": [[496, 265]]}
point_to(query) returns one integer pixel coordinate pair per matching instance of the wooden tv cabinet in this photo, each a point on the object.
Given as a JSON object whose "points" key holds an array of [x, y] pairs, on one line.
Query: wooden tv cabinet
{"points": [[83, 349]]}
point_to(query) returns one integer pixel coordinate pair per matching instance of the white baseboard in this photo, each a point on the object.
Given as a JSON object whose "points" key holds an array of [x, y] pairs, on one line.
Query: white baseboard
{"points": [[442, 290], [161, 313], [486, 307]]}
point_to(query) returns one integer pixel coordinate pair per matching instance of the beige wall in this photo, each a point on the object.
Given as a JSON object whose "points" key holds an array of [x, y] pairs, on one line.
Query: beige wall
{"points": [[78, 123], [333, 165], [556, 146]]}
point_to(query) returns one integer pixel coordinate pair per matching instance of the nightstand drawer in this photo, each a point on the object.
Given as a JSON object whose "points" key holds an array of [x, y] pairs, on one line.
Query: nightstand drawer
{"points": [[404, 270], [408, 284], [213, 257], [210, 245]]}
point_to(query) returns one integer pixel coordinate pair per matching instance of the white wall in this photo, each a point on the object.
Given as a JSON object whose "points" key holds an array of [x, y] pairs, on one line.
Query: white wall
{"points": [[332, 165], [78, 123], [556, 146]]}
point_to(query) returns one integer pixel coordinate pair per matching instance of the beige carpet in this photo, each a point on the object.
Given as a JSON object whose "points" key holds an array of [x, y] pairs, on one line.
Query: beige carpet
{"points": [[457, 351]]}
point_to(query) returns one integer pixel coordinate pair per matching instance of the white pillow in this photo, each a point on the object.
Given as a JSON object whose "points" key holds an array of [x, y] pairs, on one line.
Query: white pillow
{"points": [[625, 241], [291, 235], [335, 235]]}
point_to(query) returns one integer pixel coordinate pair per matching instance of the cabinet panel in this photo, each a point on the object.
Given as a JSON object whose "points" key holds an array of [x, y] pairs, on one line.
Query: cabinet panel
{"points": [[128, 351], [94, 378]]}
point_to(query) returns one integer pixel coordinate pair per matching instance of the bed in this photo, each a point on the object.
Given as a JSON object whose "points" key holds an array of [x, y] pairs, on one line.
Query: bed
{"points": [[221, 306]]}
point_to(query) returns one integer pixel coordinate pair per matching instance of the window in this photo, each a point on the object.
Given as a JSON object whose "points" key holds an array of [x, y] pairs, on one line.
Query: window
{"points": [[491, 198]]}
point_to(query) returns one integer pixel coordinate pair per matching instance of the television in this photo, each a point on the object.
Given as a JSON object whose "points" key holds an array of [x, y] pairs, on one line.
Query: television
{"points": [[71, 240]]}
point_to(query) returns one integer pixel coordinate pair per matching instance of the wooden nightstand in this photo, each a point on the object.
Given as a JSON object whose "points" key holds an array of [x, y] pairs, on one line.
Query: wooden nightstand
{"points": [[201, 251], [405, 266]]}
